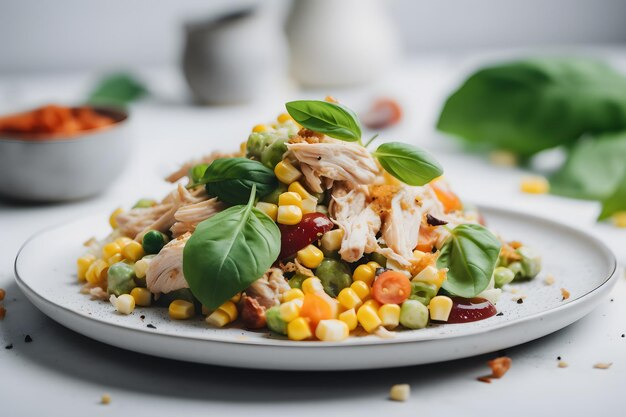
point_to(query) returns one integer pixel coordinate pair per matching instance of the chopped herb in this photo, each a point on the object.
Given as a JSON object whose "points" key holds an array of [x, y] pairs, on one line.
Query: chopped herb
{"points": [[500, 314]]}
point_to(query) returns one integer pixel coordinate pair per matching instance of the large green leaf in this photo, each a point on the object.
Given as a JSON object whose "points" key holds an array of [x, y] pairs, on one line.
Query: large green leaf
{"points": [[616, 201], [232, 179], [409, 164], [228, 252], [593, 168], [117, 89], [531, 105], [332, 119], [470, 254]]}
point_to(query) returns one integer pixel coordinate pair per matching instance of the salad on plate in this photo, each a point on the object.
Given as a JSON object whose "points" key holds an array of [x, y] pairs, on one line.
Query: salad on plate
{"points": [[311, 233]]}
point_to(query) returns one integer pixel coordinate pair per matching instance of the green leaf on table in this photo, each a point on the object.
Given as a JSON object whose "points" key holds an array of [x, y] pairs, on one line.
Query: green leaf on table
{"points": [[332, 119], [408, 163], [229, 251], [616, 202], [470, 254], [593, 168], [535, 104], [232, 179], [117, 89]]}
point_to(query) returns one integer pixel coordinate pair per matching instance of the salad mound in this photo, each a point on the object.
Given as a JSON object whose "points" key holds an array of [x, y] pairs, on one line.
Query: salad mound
{"points": [[308, 233]]}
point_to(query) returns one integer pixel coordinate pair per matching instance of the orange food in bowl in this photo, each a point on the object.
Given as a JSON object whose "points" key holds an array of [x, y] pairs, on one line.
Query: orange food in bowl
{"points": [[52, 121]]}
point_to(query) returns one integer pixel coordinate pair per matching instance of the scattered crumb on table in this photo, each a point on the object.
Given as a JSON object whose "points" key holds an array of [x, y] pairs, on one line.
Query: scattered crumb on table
{"points": [[28, 339], [3, 294], [549, 280], [499, 366], [3, 312], [106, 399], [563, 364], [400, 392], [603, 365]]}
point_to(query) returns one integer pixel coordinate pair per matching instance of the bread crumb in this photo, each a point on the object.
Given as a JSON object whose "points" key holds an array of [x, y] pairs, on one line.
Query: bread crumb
{"points": [[603, 365], [517, 298], [565, 294], [3, 312], [400, 392], [563, 364], [3, 293], [499, 367], [549, 280], [106, 399], [485, 379]]}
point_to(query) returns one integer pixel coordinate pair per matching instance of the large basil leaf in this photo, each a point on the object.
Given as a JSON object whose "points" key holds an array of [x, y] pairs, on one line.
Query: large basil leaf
{"points": [[593, 168], [616, 201], [117, 89], [228, 252], [331, 119], [409, 164], [232, 179], [470, 254], [535, 104]]}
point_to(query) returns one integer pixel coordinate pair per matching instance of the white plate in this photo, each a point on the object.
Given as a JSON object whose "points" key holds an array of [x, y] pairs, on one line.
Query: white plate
{"points": [[45, 271]]}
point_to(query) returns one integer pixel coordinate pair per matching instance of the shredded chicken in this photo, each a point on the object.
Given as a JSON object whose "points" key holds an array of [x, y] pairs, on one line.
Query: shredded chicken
{"points": [[183, 171], [267, 289], [165, 273], [337, 161], [188, 216], [401, 224]]}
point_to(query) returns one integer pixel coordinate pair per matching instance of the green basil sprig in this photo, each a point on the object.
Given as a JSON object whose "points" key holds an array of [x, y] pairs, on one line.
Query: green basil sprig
{"points": [[196, 173], [231, 179], [616, 201], [229, 251], [535, 104], [470, 254], [409, 164], [332, 119]]}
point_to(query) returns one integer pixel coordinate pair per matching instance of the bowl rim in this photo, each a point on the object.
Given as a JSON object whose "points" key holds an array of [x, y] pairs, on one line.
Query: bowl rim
{"points": [[119, 114]]}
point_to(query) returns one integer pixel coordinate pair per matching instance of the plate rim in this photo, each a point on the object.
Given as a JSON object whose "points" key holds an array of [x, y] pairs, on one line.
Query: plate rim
{"points": [[284, 343]]}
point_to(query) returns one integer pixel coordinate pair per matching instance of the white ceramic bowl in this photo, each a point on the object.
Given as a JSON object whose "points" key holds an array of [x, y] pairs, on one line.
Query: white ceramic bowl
{"points": [[65, 168]]}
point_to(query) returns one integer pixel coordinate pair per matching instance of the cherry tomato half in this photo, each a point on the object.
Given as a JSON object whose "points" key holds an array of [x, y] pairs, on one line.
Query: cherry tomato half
{"points": [[391, 287]]}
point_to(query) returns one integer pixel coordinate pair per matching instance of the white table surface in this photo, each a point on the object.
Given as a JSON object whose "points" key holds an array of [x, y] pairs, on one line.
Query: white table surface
{"points": [[63, 373]]}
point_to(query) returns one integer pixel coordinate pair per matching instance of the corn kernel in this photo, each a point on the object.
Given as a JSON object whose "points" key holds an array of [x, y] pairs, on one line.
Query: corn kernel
{"points": [[142, 296], [283, 118], [230, 309], [331, 241], [289, 311], [364, 273], [236, 298], [361, 289], [372, 303], [218, 318], [115, 259], [348, 298], [259, 128], [535, 185], [286, 173], [123, 241], [293, 294], [311, 256], [368, 318], [141, 267], [289, 215], [133, 251], [374, 265], [389, 315], [290, 199], [110, 249], [97, 272], [330, 99], [298, 188], [619, 219], [440, 308], [243, 147], [113, 217], [430, 275], [124, 304], [309, 205], [181, 310], [349, 317], [82, 265], [299, 329], [312, 285], [268, 208], [332, 330]]}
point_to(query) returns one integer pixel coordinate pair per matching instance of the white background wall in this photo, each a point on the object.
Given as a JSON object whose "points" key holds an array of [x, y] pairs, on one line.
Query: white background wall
{"points": [[42, 35]]}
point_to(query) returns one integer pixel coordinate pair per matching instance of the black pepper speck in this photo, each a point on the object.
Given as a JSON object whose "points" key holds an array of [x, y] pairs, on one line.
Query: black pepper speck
{"points": [[28, 339], [558, 358], [9, 347], [520, 301], [151, 326]]}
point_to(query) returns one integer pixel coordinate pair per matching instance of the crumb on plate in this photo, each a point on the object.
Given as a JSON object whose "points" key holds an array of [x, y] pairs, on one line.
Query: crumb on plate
{"points": [[3, 312], [563, 364], [400, 392], [565, 294], [549, 280], [3, 294]]}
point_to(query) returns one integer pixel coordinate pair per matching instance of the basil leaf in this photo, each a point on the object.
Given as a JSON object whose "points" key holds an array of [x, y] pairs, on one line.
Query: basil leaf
{"points": [[409, 164], [331, 119], [616, 201], [196, 173], [228, 252], [470, 254], [593, 168], [535, 104], [117, 89], [231, 179]]}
